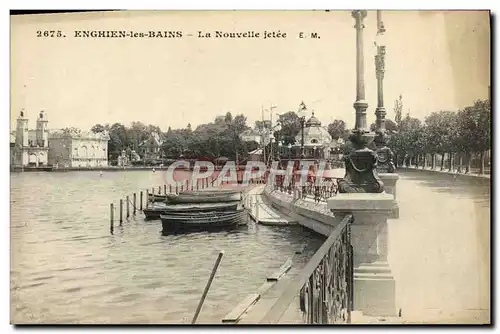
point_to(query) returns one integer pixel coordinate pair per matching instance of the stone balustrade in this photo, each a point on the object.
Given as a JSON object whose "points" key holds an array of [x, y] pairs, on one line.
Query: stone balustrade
{"points": [[374, 285]]}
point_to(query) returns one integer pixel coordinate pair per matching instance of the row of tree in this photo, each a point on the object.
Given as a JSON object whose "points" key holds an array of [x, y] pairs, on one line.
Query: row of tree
{"points": [[220, 138], [459, 136], [463, 134]]}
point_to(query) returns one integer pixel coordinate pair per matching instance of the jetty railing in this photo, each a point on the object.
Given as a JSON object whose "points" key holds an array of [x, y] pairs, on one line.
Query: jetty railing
{"points": [[325, 285], [318, 192]]}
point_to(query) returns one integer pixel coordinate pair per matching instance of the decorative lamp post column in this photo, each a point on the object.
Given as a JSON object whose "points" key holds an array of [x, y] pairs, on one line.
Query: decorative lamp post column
{"points": [[302, 118], [385, 156], [277, 129], [280, 144], [289, 151], [361, 174], [271, 144]]}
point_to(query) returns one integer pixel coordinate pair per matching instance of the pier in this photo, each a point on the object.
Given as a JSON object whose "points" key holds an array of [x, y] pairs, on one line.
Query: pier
{"points": [[410, 269]]}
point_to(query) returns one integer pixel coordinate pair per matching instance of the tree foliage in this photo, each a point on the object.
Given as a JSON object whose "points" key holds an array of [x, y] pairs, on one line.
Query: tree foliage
{"points": [[337, 129], [467, 131], [290, 127]]}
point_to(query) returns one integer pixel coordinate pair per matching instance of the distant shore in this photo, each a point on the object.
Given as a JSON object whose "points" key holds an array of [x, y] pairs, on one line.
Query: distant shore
{"points": [[95, 169]]}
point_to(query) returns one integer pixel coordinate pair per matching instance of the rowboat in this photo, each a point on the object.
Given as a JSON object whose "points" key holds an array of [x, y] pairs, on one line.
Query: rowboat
{"points": [[204, 197], [157, 198], [158, 208], [205, 221], [199, 193]]}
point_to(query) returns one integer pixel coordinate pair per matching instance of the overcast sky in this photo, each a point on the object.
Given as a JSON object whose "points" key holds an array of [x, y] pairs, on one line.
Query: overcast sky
{"points": [[437, 60]]}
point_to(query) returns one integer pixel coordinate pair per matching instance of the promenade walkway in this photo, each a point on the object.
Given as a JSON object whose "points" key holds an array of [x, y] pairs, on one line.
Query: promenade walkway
{"points": [[473, 173], [439, 252], [263, 213], [440, 248]]}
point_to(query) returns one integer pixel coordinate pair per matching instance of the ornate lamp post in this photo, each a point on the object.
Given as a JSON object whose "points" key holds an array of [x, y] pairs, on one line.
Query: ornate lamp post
{"points": [[280, 144], [361, 174], [271, 144], [384, 154], [289, 151], [302, 118]]}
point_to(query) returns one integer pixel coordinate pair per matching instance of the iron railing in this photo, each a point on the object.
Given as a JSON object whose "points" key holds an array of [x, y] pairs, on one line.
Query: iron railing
{"points": [[325, 285], [319, 192]]}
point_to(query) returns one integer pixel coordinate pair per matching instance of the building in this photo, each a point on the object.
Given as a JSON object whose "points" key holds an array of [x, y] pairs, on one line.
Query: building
{"points": [[31, 147], [251, 135], [317, 140], [75, 148], [150, 149]]}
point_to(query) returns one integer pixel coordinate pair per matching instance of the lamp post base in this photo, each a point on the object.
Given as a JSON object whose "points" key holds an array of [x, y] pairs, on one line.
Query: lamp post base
{"points": [[361, 174]]}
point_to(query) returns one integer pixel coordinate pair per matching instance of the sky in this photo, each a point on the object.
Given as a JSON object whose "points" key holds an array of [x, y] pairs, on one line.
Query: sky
{"points": [[436, 60]]}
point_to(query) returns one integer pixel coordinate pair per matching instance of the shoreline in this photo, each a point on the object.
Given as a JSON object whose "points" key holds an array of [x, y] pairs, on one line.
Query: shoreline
{"points": [[99, 169]]}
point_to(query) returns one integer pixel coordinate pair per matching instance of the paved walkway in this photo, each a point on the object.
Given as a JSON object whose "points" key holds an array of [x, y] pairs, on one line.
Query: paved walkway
{"points": [[454, 172], [263, 213], [440, 250]]}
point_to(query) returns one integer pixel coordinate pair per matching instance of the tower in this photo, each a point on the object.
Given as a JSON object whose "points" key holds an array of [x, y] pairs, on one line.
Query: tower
{"points": [[22, 130], [42, 133]]}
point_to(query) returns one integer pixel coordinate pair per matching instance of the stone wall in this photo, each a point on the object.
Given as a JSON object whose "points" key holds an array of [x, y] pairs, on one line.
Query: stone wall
{"points": [[314, 216]]}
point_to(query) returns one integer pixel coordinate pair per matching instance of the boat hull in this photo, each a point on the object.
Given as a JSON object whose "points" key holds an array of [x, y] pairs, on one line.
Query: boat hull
{"points": [[204, 197], [154, 212], [207, 221], [194, 197]]}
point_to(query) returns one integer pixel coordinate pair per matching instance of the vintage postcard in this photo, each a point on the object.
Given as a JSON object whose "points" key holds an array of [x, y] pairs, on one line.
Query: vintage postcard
{"points": [[250, 167]]}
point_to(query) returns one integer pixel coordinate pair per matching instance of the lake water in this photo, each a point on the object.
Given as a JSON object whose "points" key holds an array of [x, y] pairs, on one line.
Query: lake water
{"points": [[67, 268]]}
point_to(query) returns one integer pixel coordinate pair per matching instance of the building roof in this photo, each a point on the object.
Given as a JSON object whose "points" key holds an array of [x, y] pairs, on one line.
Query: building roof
{"points": [[313, 121], [155, 138], [314, 134], [78, 134]]}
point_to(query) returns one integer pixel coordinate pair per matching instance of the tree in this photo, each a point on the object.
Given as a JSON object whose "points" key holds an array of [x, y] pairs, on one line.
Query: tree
{"points": [[441, 131], [474, 127], [290, 128], [398, 110], [337, 129], [98, 128], [407, 141], [118, 140]]}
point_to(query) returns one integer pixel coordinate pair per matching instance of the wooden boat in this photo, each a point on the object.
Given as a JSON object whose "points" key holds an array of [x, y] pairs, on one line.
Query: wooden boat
{"points": [[205, 221], [204, 197], [202, 193], [157, 198], [158, 208]]}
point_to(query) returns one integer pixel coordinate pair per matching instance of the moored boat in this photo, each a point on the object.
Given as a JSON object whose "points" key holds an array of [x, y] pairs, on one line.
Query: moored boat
{"points": [[158, 208], [204, 197], [196, 194], [174, 223]]}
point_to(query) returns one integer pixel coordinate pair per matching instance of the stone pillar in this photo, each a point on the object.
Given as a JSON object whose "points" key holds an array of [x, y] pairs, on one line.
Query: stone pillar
{"points": [[390, 180], [374, 285]]}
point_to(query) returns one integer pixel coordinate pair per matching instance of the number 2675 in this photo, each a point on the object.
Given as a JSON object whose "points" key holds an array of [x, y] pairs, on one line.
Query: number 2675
{"points": [[49, 33]]}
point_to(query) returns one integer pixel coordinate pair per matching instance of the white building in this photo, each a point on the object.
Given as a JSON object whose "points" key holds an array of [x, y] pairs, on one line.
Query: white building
{"points": [[317, 140], [30, 147], [74, 148]]}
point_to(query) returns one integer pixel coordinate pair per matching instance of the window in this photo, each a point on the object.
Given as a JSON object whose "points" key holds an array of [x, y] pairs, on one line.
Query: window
{"points": [[314, 141]]}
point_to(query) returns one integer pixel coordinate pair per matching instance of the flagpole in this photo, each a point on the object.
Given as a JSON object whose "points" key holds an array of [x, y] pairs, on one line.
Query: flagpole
{"points": [[263, 139]]}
